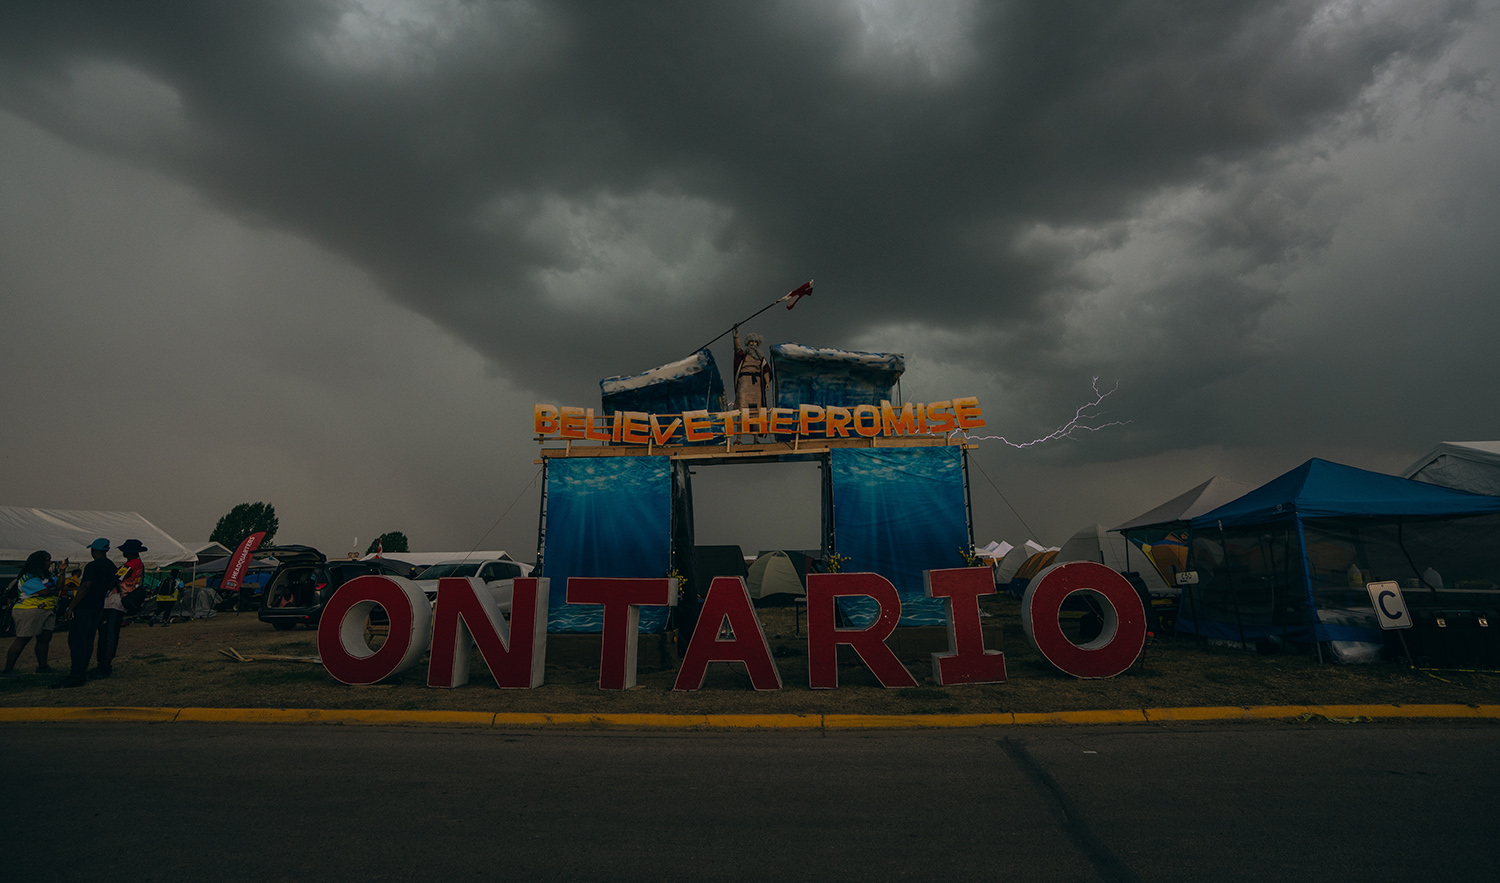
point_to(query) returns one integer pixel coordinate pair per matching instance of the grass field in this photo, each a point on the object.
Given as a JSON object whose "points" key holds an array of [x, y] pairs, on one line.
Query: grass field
{"points": [[184, 666]]}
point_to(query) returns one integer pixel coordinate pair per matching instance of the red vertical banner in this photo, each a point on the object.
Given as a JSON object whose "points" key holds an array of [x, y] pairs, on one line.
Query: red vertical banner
{"points": [[240, 562]]}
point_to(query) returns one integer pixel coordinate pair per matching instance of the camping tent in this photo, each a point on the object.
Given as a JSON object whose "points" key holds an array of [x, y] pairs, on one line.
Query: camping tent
{"points": [[1017, 558], [774, 573], [207, 550], [1010, 563], [995, 551], [66, 533], [1094, 543], [1161, 533], [1291, 558], [1465, 466]]}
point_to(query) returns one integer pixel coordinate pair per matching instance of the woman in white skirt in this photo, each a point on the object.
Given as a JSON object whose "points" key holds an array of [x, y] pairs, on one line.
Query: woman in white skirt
{"points": [[35, 611]]}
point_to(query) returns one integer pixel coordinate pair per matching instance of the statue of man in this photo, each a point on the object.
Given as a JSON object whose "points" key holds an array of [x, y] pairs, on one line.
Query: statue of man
{"points": [[752, 372]]}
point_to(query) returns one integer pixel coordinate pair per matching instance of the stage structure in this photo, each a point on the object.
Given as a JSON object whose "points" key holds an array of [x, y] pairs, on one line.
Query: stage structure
{"points": [[617, 495]]}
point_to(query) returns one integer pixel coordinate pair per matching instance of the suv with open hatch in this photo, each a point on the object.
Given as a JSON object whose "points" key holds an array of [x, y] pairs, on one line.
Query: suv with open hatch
{"points": [[306, 580]]}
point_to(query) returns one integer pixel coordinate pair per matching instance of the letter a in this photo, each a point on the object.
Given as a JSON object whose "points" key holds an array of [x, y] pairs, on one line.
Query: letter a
{"points": [[728, 599]]}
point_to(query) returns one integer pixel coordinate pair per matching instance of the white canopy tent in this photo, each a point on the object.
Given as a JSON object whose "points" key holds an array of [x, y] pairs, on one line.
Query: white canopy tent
{"points": [[1188, 505], [1094, 543], [427, 559], [66, 533], [1466, 466], [208, 550]]}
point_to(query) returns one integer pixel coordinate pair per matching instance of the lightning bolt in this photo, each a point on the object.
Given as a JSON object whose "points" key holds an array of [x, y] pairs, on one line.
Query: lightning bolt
{"points": [[1079, 423]]}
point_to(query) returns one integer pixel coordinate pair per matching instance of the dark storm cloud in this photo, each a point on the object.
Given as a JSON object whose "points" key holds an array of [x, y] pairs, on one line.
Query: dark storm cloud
{"points": [[583, 189]]}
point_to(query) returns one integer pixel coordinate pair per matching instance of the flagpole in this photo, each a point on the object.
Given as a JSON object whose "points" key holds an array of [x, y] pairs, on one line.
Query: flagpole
{"points": [[795, 294]]}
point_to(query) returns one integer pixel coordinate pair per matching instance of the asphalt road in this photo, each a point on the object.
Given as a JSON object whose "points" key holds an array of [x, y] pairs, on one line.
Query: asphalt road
{"points": [[1270, 801]]}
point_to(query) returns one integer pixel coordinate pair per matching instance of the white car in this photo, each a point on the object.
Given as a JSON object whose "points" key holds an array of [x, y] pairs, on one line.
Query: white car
{"points": [[498, 575]]}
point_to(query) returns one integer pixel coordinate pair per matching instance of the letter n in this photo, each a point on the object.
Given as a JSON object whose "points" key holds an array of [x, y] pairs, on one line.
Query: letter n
{"points": [[466, 614]]}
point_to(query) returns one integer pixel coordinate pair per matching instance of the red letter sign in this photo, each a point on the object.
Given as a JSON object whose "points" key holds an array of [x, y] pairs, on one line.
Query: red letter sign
{"points": [[966, 662], [1118, 646], [728, 599], [466, 613], [622, 600], [823, 639], [341, 629]]}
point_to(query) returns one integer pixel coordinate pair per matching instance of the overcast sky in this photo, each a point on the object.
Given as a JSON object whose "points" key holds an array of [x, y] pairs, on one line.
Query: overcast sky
{"points": [[328, 254]]}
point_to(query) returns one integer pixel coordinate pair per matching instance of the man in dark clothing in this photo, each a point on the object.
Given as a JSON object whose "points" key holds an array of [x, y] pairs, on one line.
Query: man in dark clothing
{"points": [[126, 596], [87, 607]]}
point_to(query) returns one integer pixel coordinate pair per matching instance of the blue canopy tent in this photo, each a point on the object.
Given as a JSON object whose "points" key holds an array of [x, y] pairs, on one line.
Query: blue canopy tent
{"points": [[1291, 558]]}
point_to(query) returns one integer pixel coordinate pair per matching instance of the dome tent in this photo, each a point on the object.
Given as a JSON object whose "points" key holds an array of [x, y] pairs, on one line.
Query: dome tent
{"points": [[773, 573]]}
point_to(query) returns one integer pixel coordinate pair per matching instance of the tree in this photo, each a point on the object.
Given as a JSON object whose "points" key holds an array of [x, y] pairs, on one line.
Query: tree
{"points": [[244, 520], [394, 541]]}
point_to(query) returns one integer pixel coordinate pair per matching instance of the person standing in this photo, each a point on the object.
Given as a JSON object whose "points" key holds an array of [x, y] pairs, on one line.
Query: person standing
{"points": [[34, 612], [129, 581], [166, 596], [86, 609]]}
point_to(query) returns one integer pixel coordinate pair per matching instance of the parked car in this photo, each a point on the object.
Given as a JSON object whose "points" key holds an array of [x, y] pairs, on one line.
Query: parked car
{"points": [[306, 580], [498, 575]]}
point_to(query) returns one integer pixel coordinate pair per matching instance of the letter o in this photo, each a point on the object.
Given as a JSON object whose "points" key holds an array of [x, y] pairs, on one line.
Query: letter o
{"points": [[1119, 644], [341, 629]]}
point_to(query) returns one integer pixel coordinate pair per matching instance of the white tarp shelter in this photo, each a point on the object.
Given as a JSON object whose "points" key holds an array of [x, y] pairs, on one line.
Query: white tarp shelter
{"points": [[1465, 466], [995, 551], [427, 559], [66, 533], [1094, 543], [1015, 559], [1176, 512], [207, 550]]}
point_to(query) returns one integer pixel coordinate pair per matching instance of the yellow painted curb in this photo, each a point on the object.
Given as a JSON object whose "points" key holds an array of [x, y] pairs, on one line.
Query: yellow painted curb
{"points": [[1211, 713], [335, 716], [893, 721], [1109, 716], [776, 721], [89, 715], [739, 721]]}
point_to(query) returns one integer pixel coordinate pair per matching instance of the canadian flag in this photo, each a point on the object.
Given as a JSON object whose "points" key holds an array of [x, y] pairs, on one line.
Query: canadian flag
{"points": [[796, 294]]}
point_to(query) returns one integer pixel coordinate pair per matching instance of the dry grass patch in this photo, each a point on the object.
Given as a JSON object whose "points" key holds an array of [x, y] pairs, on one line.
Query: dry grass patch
{"points": [[183, 666]]}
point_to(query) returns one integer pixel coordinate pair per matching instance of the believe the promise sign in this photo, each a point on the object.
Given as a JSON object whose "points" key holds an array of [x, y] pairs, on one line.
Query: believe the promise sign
{"points": [[804, 421]]}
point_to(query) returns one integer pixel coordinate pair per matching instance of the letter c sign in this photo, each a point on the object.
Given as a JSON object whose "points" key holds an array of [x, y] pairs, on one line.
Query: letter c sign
{"points": [[1120, 642]]}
